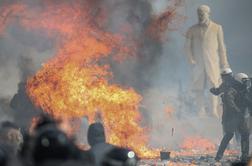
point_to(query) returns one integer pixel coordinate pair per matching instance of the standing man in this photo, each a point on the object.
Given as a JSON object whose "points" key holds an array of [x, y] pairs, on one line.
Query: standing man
{"points": [[230, 109], [235, 104], [207, 53], [244, 103]]}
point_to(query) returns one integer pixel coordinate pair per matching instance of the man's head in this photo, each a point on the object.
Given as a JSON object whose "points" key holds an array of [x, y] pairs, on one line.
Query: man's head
{"points": [[244, 80], [204, 14], [52, 144], [96, 134], [10, 134]]}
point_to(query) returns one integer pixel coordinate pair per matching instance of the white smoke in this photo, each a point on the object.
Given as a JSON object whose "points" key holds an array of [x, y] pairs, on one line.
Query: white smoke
{"points": [[161, 73]]}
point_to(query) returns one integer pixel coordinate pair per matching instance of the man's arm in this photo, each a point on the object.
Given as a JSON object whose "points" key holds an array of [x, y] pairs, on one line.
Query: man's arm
{"points": [[188, 47], [217, 91], [222, 49]]}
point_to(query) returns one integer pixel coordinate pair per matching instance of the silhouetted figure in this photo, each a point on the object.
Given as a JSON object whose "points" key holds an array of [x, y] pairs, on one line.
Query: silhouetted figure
{"points": [[4, 157], [11, 136], [24, 109], [120, 156], [235, 106], [97, 141], [52, 147]]}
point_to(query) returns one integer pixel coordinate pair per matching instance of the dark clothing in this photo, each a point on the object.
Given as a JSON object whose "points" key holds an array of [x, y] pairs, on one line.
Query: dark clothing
{"points": [[245, 104], [242, 127], [96, 139], [96, 134], [99, 151], [249, 100], [230, 109], [233, 118], [23, 108], [231, 112]]}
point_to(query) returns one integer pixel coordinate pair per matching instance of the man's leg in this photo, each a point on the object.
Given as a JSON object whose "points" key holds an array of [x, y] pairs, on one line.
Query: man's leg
{"points": [[244, 146], [244, 132], [224, 143]]}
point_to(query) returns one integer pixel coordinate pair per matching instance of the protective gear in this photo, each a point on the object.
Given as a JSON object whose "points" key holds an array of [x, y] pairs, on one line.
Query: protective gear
{"points": [[233, 118], [229, 117], [241, 77], [248, 83], [226, 71], [244, 103], [244, 80]]}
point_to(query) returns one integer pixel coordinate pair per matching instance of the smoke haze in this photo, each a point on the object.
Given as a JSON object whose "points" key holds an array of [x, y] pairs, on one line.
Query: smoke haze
{"points": [[160, 71]]}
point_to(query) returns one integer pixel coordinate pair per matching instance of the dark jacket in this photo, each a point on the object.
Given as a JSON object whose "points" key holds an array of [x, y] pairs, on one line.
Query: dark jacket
{"points": [[231, 112], [97, 141], [229, 96]]}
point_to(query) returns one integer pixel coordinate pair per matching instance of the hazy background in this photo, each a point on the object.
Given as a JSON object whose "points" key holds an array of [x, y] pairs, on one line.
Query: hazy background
{"points": [[170, 82], [161, 75]]}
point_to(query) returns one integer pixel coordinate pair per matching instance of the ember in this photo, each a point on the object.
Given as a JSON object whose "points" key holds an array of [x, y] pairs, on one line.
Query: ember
{"points": [[198, 143]]}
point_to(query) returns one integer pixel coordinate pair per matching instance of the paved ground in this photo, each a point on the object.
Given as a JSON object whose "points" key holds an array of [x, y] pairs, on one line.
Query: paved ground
{"points": [[204, 160]]}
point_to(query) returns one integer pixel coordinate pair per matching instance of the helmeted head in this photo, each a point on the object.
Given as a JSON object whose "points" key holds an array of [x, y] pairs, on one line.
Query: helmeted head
{"points": [[226, 74], [226, 71], [243, 79], [203, 14]]}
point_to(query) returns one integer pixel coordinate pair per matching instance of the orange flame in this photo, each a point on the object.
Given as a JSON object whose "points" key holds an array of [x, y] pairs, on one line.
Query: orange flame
{"points": [[75, 83], [8, 14], [169, 19], [169, 111], [198, 143]]}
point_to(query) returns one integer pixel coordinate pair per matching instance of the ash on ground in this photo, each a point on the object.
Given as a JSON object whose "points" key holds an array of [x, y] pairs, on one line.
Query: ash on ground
{"points": [[204, 160]]}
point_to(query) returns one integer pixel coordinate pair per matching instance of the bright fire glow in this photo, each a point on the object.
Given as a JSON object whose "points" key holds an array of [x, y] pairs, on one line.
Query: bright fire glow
{"points": [[75, 82], [198, 143]]}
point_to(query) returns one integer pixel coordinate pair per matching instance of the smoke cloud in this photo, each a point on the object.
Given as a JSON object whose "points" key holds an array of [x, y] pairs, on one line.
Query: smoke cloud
{"points": [[159, 71]]}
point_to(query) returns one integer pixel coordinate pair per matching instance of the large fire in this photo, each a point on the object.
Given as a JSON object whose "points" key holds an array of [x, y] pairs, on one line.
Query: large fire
{"points": [[75, 83]]}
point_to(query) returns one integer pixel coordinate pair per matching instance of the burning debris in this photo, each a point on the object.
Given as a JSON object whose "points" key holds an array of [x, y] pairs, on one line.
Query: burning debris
{"points": [[198, 143]]}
